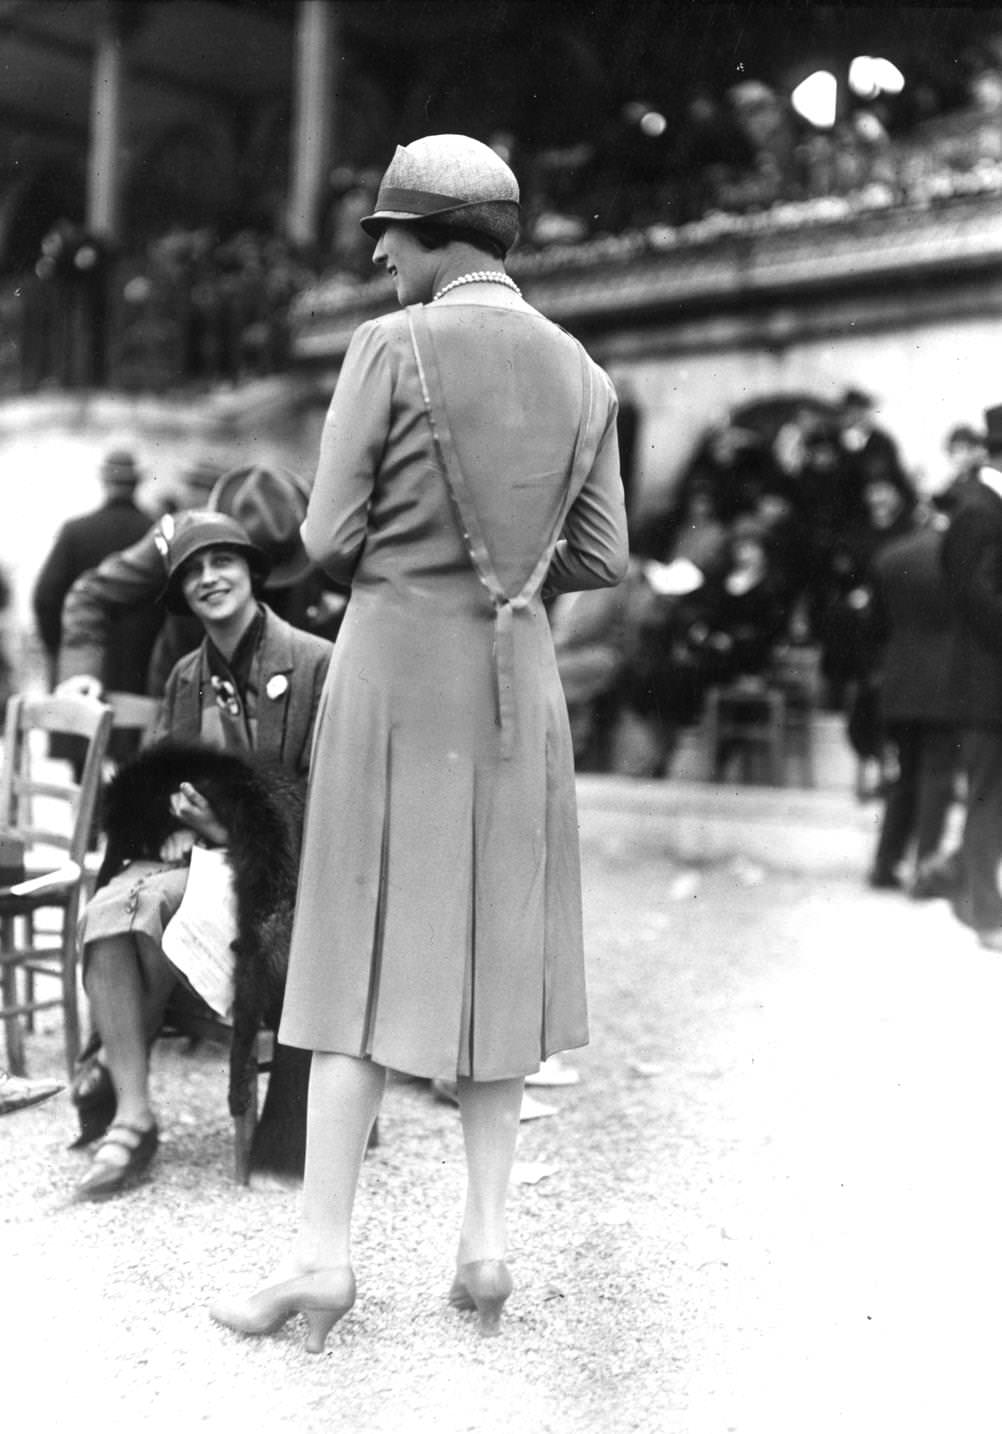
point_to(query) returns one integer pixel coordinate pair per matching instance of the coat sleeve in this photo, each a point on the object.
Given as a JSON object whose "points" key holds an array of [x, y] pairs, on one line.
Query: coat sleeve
{"points": [[593, 551], [51, 586], [123, 582], [354, 437]]}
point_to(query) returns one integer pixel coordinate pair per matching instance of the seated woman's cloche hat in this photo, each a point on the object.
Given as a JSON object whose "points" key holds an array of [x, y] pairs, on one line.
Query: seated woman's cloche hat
{"points": [[197, 530], [451, 180]]}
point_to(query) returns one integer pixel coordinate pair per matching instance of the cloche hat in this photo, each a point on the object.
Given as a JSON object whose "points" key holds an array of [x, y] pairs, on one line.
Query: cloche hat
{"points": [[197, 530], [270, 504], [451, 180]]}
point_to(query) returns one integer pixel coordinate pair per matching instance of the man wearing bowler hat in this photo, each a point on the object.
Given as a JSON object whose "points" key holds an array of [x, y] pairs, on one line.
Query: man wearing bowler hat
{"points": [[269, 503], [972, 561]]}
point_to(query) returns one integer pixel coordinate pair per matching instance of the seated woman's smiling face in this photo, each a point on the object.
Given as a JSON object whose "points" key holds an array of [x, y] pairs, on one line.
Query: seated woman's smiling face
{"points": [[216, 584]]}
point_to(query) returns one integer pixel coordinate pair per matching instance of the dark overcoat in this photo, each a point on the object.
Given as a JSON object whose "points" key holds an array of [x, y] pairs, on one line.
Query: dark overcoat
{"points": [[913, 621], [972, 562], [81, 544]]}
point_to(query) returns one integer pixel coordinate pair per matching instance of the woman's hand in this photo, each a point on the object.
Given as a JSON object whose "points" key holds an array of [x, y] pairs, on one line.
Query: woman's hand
{"points": [[177, 845], [191, 808]]}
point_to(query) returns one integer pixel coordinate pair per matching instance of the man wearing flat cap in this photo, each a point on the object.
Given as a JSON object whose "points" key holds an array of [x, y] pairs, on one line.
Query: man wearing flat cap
{"points": [[972, 560]]}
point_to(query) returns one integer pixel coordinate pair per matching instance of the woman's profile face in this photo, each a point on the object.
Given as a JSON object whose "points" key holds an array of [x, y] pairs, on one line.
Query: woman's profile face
{"points": [[411, 267]]}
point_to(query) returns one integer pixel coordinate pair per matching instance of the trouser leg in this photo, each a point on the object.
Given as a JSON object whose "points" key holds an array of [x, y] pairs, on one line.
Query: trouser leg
{"points": [[980, 903]]}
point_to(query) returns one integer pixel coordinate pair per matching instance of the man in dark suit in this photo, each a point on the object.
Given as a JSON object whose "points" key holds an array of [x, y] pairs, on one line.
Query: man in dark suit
{"points": [[912, 626], [972, 561], [82, 543]]}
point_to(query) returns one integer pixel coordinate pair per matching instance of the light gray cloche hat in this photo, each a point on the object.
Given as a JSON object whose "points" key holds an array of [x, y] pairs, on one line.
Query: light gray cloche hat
{"points": [[452, 180]]}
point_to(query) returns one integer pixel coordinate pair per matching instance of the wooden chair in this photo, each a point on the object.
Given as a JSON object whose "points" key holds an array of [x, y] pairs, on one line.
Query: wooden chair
{"points": [[795, 670], [133, 712], [190, 1019], [745, 725], [52, 815], [134, 719], [761, 724]]}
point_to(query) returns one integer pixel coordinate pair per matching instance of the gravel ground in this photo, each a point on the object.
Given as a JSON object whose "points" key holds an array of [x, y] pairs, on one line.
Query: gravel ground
{"points": [[769, 1206]]}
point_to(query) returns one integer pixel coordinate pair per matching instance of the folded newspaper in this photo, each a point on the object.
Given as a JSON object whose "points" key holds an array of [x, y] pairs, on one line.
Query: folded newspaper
{"points": [[199, 938]]}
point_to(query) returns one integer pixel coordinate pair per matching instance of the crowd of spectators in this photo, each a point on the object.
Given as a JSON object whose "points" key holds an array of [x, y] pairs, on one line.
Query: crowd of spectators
{"points": [[191, 308], [747, 155], [203, 304], [769, 540]]}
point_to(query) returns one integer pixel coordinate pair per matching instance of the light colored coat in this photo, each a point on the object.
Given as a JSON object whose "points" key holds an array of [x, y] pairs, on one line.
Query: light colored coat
{"points": [[438, 925]]}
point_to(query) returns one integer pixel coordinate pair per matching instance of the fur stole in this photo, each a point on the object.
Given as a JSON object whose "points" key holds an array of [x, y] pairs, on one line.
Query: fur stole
{"points": [[261, 804]]}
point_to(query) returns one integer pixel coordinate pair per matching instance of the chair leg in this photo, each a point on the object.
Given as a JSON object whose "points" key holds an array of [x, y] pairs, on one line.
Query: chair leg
{"points": [[29, 974], [71, 1005], [777, 752], [243, 1134], [9, 999], [712, 728]]}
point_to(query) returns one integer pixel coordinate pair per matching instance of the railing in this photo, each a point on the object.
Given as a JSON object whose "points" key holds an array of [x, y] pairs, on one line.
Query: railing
{"points": [[188, 312], [191, 310]]}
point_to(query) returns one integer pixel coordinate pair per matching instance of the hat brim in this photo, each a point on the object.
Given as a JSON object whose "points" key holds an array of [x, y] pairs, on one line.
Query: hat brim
{"points": [[373, 224]]}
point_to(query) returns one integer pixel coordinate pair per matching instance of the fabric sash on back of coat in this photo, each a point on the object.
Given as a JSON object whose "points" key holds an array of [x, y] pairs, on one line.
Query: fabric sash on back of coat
{"points": [[581, 457]]}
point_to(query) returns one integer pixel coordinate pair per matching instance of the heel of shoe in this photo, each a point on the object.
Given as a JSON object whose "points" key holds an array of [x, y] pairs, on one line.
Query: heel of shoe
{"points": [[319, 1324], [489, 1310], [323, 1310], [486, 1285]]}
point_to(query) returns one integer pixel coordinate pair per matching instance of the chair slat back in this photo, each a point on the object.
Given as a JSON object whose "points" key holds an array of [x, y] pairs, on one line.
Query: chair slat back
{"points": [[47, 811], [133, 712], [798, 669]]}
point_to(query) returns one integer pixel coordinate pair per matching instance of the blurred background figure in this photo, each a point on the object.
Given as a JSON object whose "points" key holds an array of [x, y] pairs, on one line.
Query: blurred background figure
{"points": [[742, 613], [912, 625], [965, 454], [82, 543], [192, 486], [972, 562], [869, 451]]}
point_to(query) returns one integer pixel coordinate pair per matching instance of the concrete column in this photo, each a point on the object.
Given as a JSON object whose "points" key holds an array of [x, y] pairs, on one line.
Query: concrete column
{"points": [[312, 116], [104, 179]]}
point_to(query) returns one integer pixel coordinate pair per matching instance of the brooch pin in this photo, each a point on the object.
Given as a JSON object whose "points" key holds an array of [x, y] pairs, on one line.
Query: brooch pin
{"points": [[277, 686]]}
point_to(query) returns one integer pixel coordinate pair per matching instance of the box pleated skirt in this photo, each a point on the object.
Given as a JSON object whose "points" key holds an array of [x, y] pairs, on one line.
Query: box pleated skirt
{"points": [[438, 921]]}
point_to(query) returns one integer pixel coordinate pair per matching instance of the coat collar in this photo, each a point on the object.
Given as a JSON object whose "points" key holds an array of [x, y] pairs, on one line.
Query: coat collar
{"points": [[276, 685], [276, 665]]}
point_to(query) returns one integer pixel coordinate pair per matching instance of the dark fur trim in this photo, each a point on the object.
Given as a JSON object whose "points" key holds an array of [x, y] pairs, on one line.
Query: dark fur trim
{"points": [[261, 804]]}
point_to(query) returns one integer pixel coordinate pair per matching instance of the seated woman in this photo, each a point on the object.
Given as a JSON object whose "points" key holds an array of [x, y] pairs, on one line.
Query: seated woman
{"points": [[742, 615], [253, 686]]}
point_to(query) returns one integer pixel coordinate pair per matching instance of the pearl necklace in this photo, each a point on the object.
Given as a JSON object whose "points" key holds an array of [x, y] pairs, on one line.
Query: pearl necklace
{"points": [[480, 276]]}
